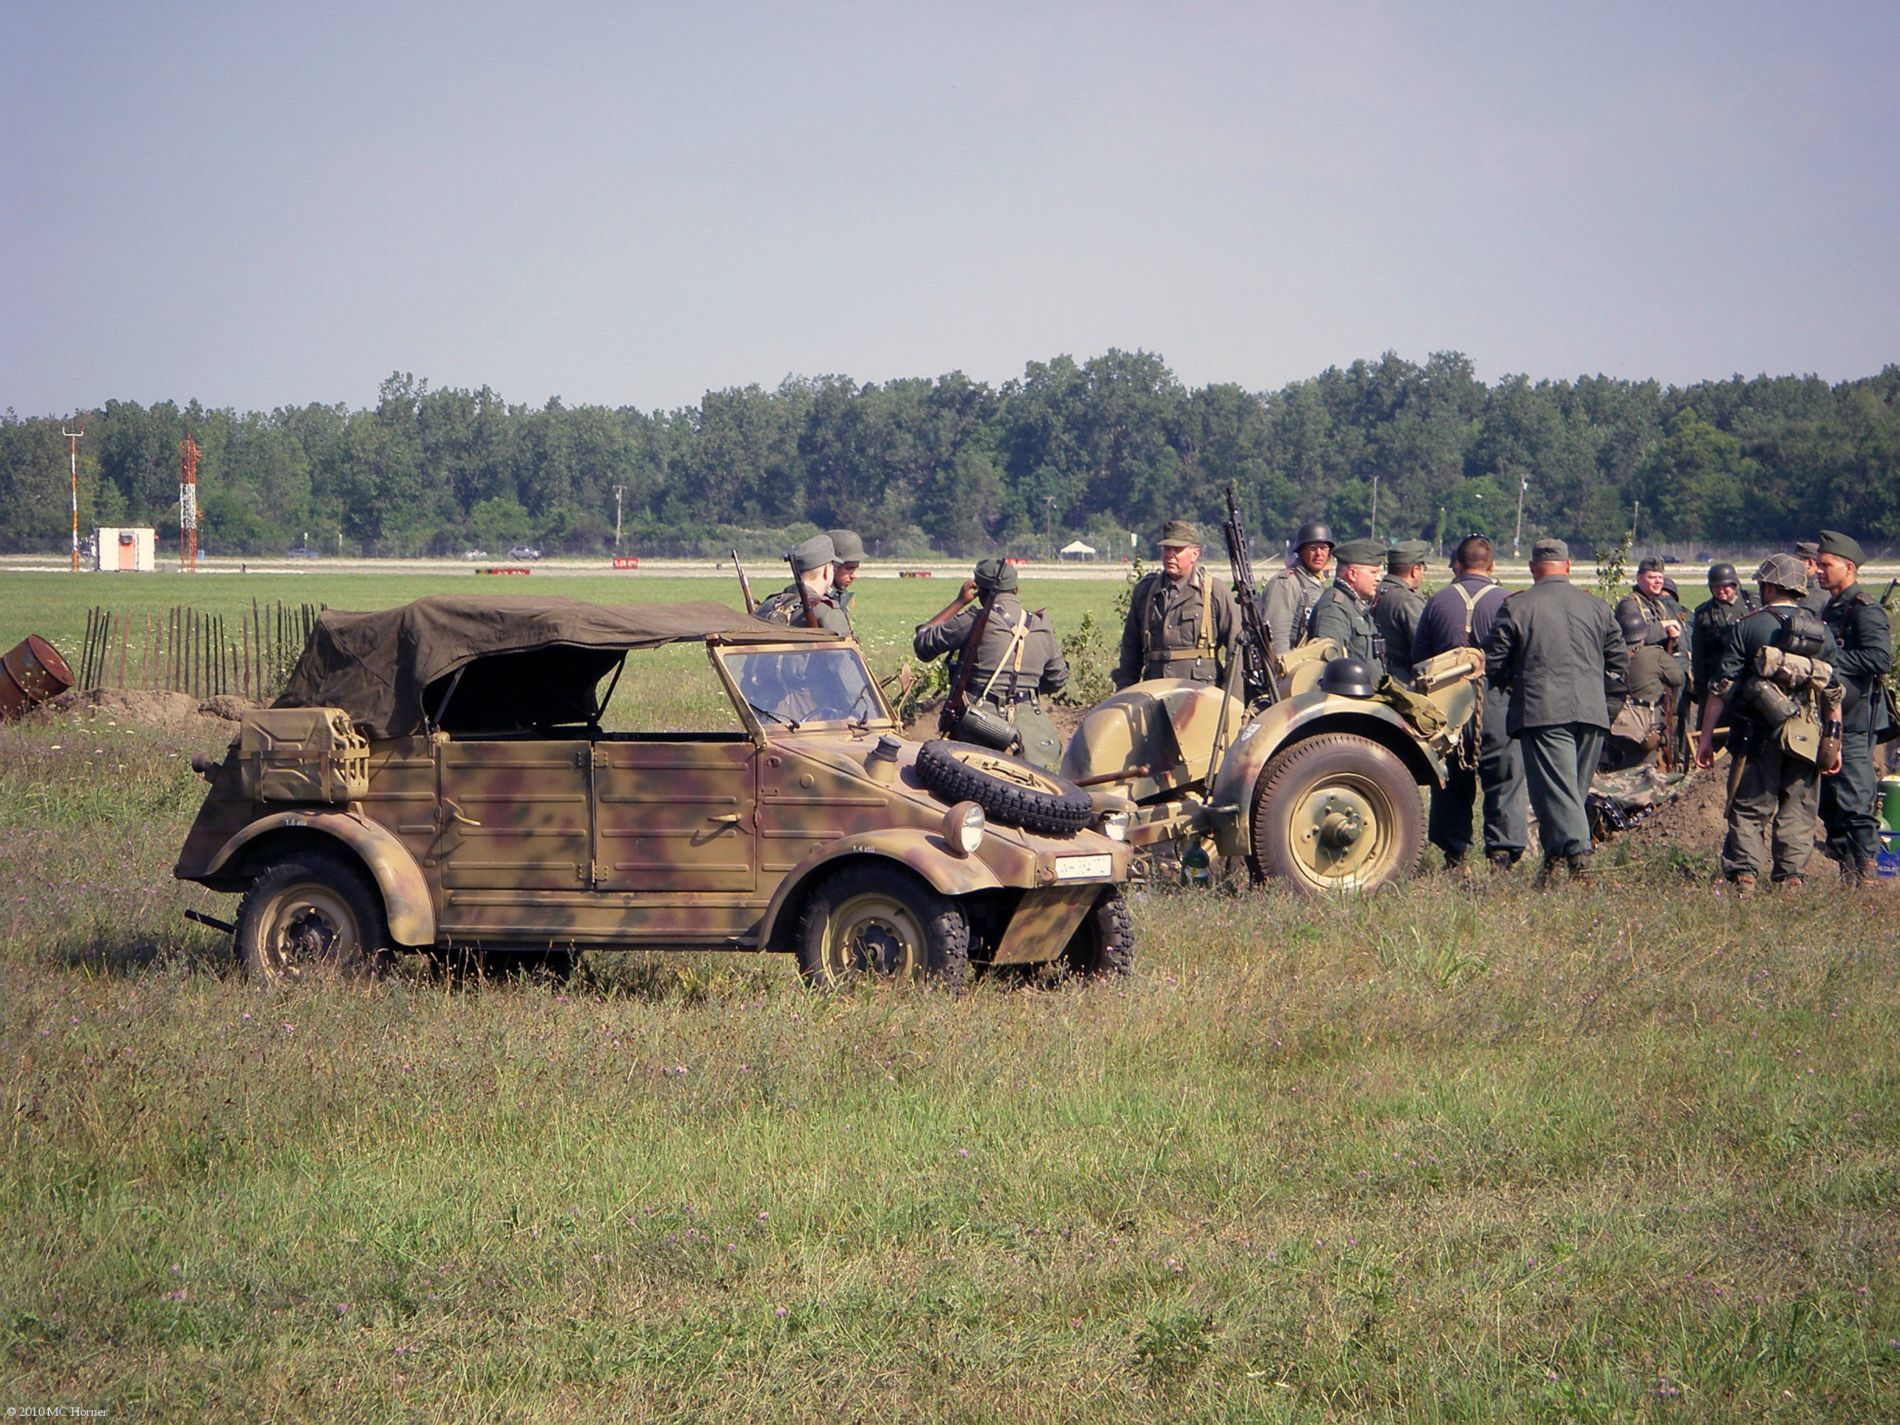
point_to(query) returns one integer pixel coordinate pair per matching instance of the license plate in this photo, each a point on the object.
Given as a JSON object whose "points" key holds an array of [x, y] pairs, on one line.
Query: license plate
{"points": [[1084, 868]]}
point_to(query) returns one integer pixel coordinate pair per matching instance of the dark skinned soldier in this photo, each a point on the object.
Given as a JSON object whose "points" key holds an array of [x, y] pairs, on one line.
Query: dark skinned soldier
{"points": [[1865, 638], [1772, 801], [1343, 612], [1558, 651], [1182, 621], [1399, 607]]}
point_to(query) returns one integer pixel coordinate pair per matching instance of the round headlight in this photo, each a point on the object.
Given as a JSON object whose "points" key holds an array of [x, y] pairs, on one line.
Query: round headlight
{"points": [[963, 828]]}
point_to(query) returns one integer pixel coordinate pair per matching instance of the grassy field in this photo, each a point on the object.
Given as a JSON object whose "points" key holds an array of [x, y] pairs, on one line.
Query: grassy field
{"points": [[1449, 1153]]}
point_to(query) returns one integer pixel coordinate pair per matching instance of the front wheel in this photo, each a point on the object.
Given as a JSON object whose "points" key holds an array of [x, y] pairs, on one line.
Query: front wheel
{"points": [[1337, 812], [881, 922], [312, 913], [1104, 943]]}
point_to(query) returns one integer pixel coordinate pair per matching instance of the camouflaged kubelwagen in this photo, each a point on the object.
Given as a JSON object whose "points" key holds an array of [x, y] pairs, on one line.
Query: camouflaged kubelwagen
{"points": [[438, 777], [1317, 787]]}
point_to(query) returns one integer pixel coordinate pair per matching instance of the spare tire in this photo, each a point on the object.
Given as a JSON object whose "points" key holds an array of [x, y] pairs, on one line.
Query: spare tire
{"points": [[1009, 790]]}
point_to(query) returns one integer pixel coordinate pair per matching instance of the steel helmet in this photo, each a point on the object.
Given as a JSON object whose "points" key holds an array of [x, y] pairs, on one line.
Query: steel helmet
{"points": [[1313, 532], [1635, 628], [1720, 574], [1347, 678]]}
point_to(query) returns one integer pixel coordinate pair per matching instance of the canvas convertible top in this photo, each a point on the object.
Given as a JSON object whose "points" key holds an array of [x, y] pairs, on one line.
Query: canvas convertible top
{"points": [[529, 660]]}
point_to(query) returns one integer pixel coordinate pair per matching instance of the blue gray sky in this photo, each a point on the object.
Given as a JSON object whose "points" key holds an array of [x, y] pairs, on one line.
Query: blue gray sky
{"points": [[267, 204]]}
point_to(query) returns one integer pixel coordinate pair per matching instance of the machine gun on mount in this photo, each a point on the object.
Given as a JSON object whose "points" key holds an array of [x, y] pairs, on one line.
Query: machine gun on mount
{"points": [[1256, 641]]}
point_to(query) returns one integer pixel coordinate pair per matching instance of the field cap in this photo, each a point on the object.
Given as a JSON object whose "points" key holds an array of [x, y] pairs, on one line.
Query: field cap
{"points": [[995, 576], [1360, 551], [1405, 553], [1651, 565], [1807, 548], [1785, 571], [813, 552], [846, 547], [1550, 551], [1178, 534], [1841, 546]]}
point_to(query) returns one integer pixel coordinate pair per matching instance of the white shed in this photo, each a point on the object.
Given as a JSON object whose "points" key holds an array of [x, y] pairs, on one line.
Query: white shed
{"points": [[124, 550]]}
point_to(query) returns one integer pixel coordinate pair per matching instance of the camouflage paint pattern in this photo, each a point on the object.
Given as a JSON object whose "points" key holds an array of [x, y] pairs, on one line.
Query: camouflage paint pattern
{"points": [[637, 839], [1169, 727]]}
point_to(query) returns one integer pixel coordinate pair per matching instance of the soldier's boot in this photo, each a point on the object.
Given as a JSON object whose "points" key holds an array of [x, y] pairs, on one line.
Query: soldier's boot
{"points": [[1853, 871], [1578, 865], [1501, 862], [1546, 871], [1744, 883], [1790, 883], [1454, 863]]}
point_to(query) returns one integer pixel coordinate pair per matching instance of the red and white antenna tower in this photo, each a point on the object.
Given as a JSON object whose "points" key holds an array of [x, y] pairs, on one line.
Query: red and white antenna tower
{"points": [[188, 505]]}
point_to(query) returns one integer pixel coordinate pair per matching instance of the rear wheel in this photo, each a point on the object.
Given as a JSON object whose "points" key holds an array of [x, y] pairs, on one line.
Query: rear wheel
{"points": [[1337, 812], [881, 922], [1104, 943], [314, 913]]}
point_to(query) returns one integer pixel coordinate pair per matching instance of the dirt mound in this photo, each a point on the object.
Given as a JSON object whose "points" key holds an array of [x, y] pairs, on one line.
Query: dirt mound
{"points": [[1693, 820], [144, 708]]}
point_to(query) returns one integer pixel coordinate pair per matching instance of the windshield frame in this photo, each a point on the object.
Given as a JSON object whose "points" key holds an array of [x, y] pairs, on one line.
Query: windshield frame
{"points": [[880, 716]]}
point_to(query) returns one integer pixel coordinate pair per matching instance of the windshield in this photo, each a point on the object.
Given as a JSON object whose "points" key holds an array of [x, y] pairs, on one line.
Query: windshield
{"points": [[825, 685]]}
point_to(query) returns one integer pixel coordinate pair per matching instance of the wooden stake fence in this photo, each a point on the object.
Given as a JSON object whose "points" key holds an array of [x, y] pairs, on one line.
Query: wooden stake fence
{"points": [[186, 650]]}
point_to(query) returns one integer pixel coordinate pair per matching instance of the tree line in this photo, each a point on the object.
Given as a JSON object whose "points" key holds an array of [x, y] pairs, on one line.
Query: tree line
{"points": [[1097, 449]]}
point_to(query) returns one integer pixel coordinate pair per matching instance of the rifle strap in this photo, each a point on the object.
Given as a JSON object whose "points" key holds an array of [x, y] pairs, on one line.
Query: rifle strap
{"points": [[966, 662]]}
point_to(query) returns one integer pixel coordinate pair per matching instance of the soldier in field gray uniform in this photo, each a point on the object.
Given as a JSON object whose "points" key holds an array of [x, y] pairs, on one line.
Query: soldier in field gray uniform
{"points": [[1182, 621], [1287, 599], [1343, 612], [1016, 658], [848, 554], [811, 566], [1399, 606], [1865, 637], [1558, 651]]}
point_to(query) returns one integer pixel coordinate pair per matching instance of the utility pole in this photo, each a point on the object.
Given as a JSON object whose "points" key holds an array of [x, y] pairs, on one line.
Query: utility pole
{"points": [[1374, 531], [188, 505], [1517, 533], [72, 460], [1636, 507], [619, 490]]}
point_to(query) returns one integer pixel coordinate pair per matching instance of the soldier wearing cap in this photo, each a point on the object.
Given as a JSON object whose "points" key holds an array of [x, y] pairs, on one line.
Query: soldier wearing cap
{"points": [[1343, 612], [1182, 621], [1814, 596], [1772, 793], [811, 565], [1398, 606], [848, 554], [1287, 599], [1558, 651], [1865, 638], [1014, 655], [1460, 615], [1727, 605]]}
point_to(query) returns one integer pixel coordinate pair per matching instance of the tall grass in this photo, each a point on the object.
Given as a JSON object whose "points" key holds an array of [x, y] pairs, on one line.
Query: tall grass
{"points": [[1444, 1153]]}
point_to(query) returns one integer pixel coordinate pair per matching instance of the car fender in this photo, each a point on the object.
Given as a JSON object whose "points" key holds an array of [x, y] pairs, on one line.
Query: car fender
{"points": [[924, 853], [405, 890], [1305, 716]]}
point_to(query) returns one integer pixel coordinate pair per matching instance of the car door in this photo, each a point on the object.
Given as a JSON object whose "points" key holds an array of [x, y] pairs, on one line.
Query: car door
{"points": [[515, 838], [678, 816]]}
